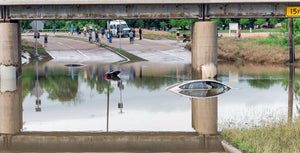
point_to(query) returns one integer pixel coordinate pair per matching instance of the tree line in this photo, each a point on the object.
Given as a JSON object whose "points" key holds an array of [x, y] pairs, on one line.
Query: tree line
{"points": [[161, 24]]}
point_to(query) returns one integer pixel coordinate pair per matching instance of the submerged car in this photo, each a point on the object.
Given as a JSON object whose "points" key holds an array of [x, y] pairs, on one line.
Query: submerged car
{"points": [[199, 88]]}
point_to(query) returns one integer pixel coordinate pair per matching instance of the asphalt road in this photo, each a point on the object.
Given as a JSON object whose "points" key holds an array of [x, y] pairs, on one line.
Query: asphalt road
{"points": [[77, 51]]}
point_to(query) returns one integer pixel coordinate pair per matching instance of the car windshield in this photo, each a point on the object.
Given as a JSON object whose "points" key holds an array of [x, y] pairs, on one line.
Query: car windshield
{"points": [[124, 25], [202, 85]]}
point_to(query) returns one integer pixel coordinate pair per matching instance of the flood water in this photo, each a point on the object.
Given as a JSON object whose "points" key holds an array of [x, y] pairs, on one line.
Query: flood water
{"points": [[62, 107], [61, 98]]}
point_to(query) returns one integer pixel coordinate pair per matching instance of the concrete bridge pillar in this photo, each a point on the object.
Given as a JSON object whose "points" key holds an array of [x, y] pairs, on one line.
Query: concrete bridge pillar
{"points": [[204, 48], [205, 115], [10, 81]]}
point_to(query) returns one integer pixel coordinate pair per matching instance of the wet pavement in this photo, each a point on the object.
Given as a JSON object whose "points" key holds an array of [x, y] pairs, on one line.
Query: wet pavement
{"points": [[156, 51]]}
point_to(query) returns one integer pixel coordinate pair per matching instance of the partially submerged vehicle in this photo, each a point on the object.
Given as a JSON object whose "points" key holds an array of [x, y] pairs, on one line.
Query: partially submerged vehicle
{"points": [[199, 88]]}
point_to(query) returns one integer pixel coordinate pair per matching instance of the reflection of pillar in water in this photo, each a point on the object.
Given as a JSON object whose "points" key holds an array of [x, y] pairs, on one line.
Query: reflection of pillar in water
{"points": [[204, 111], [204, 48], [205, 115], [11, 109], [291, 92]]}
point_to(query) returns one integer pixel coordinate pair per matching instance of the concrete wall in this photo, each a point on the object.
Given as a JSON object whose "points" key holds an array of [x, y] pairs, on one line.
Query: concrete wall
{"points": [[112, 142]]}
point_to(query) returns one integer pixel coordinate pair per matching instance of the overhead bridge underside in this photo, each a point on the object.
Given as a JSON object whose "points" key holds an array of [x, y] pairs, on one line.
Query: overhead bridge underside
{"points": [[144, 11]]}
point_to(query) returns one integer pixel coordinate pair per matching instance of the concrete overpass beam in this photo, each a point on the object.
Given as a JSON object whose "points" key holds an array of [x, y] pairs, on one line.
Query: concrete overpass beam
{"points": [[204, 49]]}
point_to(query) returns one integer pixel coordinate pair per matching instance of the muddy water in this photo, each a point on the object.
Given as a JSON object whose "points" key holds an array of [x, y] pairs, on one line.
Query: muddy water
{"points": [[80, 99]]}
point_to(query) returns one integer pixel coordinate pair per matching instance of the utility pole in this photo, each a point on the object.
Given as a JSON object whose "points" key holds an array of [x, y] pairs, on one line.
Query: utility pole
{"points": [[120, 34], [291, 41]]}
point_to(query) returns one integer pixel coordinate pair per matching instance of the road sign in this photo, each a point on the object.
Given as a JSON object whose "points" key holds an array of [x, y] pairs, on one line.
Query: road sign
{"points": [[37, 25], [292, 11]]}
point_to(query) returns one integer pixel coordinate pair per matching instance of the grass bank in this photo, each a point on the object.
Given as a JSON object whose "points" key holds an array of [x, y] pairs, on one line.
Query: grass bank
{"points": [[163, 35], [29, 46], [276, 138], [252, 50], [128, 55]]}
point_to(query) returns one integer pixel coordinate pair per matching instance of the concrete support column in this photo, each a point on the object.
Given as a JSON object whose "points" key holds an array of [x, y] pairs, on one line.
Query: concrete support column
{"points": [[204, 48], [10, 45], [10, 84], [205, 115]]}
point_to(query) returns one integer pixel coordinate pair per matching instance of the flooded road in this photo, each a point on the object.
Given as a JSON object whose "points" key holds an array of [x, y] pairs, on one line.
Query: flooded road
{"points": [[75, 99], [69, 105]]}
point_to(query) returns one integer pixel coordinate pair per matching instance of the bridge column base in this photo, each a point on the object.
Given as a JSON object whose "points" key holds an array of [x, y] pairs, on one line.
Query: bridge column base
{"points": [[204, 49], [10, 84]]}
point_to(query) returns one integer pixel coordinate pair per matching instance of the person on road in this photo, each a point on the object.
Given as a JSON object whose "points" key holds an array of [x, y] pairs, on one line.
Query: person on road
{"points": [[72, 29], [45, 40], [131, 37], [133, 31], [91, 27], [78, 30], [96, 35], [102, 32], [239, 33], [84, 30], [90, 36], [140, 32], [178, 35], [110, 36]]}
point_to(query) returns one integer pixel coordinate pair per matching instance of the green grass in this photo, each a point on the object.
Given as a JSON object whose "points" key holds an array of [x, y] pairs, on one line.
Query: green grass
{"points": [[31, 50], [279, 40], [130, 56], [276, 138]]}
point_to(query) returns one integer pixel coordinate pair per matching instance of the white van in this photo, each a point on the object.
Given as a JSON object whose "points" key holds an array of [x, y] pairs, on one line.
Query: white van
{"points": [[114, 26]]}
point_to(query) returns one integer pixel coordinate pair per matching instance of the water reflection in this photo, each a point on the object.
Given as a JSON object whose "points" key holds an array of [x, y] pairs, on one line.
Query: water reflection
{"points": [[37, 91], [95, 141], [11, 118], [97, 105], [291, 92], [204, 111]]}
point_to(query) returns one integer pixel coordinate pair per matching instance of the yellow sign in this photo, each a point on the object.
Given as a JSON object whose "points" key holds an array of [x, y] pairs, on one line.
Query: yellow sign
{"points": [[292, 11]]}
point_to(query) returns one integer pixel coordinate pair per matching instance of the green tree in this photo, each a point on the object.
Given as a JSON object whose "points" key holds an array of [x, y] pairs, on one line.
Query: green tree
{"points": [[260, 21], [26, 24], [140, 23], [163, 24], [244, 22], [227, 21], [219, 22]]}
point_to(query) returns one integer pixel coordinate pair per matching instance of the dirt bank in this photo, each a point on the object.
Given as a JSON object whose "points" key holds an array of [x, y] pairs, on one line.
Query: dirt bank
{"points": [[249, 50]]}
